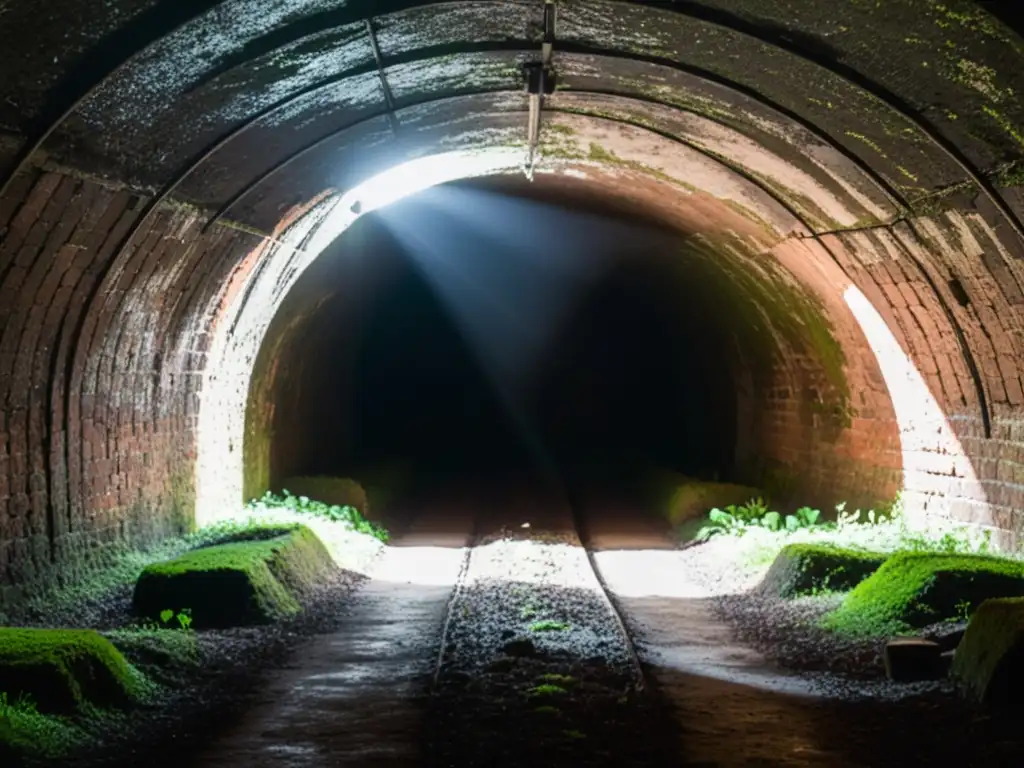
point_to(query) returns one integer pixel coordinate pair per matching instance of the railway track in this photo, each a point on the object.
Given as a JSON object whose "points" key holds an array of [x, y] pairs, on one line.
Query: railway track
{"points": [[536, 664]]}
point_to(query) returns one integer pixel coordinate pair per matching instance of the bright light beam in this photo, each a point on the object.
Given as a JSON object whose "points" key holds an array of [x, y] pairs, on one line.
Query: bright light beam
{"points": [[936, 470]]}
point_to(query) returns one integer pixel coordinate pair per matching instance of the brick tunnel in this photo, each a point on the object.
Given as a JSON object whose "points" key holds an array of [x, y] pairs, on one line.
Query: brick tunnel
{"points": [[814, 250], [166, 182]]}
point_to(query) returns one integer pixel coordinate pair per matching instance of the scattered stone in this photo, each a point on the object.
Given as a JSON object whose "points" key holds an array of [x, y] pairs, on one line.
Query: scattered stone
{"points": [[912, 659], [947, 636]]}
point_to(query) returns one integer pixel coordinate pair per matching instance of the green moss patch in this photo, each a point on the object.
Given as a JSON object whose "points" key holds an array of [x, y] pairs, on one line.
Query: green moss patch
{"points": [[63, 670], [26, 734], [804, 569], [156, 648], [681, 499], [912, 590], [240, 583], [989, 662]]}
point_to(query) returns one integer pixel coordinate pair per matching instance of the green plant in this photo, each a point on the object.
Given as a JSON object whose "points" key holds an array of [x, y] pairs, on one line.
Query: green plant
{"points": [[963, 610], [66, 670], [552, 677], [547, 689], [720, 521], [548, 625], [25, 731], [752, 511], [736, 520], [347, 515], [24, 704], [574, 734], [184, 617]]}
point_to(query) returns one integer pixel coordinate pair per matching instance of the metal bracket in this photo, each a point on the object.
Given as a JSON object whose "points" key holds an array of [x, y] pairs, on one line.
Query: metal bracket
{"points": [[540, 79], [379, 60]]}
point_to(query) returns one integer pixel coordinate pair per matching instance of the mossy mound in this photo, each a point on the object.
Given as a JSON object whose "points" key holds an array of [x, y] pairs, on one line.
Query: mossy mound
{"points": [[680, 499], [989, 662], [61, 670], [912, 590], [28, 737], [803, 569], [343, 491], [156, 647], [235, 584]]}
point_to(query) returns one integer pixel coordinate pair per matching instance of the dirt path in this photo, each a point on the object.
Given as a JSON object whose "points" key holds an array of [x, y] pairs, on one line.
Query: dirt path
{"points": [[731, 706], [351, 697]]}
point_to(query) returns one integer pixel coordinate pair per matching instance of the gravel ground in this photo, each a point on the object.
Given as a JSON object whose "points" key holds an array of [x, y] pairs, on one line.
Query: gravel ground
{"points": [[510, 693]]}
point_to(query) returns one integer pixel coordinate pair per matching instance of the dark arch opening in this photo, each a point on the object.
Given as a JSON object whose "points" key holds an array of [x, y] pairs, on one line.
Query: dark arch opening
{"points": [[565, 335], [498, 326]]}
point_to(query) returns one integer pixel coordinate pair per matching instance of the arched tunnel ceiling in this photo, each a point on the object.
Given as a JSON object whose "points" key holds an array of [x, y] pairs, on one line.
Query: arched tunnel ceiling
{"points": [[886, 105]]}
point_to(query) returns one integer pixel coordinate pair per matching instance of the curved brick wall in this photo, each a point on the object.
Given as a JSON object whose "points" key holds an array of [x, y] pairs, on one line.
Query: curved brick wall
{"points": [[166, 178]]}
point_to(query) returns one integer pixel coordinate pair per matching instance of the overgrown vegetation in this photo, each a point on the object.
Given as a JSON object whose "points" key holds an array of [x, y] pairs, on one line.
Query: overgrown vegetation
{"points": [[64, 670], [238, 583], [546, 689], [52, 682], [737, 519], [882, 531], [346, 514], [813, 569], [549, 625], [915, 589], [25, 731]]}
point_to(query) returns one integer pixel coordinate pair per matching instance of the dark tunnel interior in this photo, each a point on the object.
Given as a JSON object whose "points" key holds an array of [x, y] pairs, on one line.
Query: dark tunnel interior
{"points": [[484, 330]]}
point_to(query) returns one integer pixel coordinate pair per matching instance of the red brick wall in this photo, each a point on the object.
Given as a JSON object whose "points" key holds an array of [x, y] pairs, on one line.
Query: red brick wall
{"points": [[792, 441], [969, 355], [101, 351]]}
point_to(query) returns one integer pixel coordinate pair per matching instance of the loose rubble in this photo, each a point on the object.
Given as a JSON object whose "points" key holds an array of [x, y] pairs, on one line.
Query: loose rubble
{"points": [[535, 670]]}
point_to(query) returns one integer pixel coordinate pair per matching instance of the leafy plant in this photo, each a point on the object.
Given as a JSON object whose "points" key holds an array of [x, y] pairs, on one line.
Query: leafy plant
{"points": [[558, 679], [721, 521], [736, 520], [184, 618], [548, 625], [348, 515], [24, 704], [547, 689], [963, 610]]}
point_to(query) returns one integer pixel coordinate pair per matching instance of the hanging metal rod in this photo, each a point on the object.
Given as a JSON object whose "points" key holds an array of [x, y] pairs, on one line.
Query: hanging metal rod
{"points": [[379, 61], [540, 81]]}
